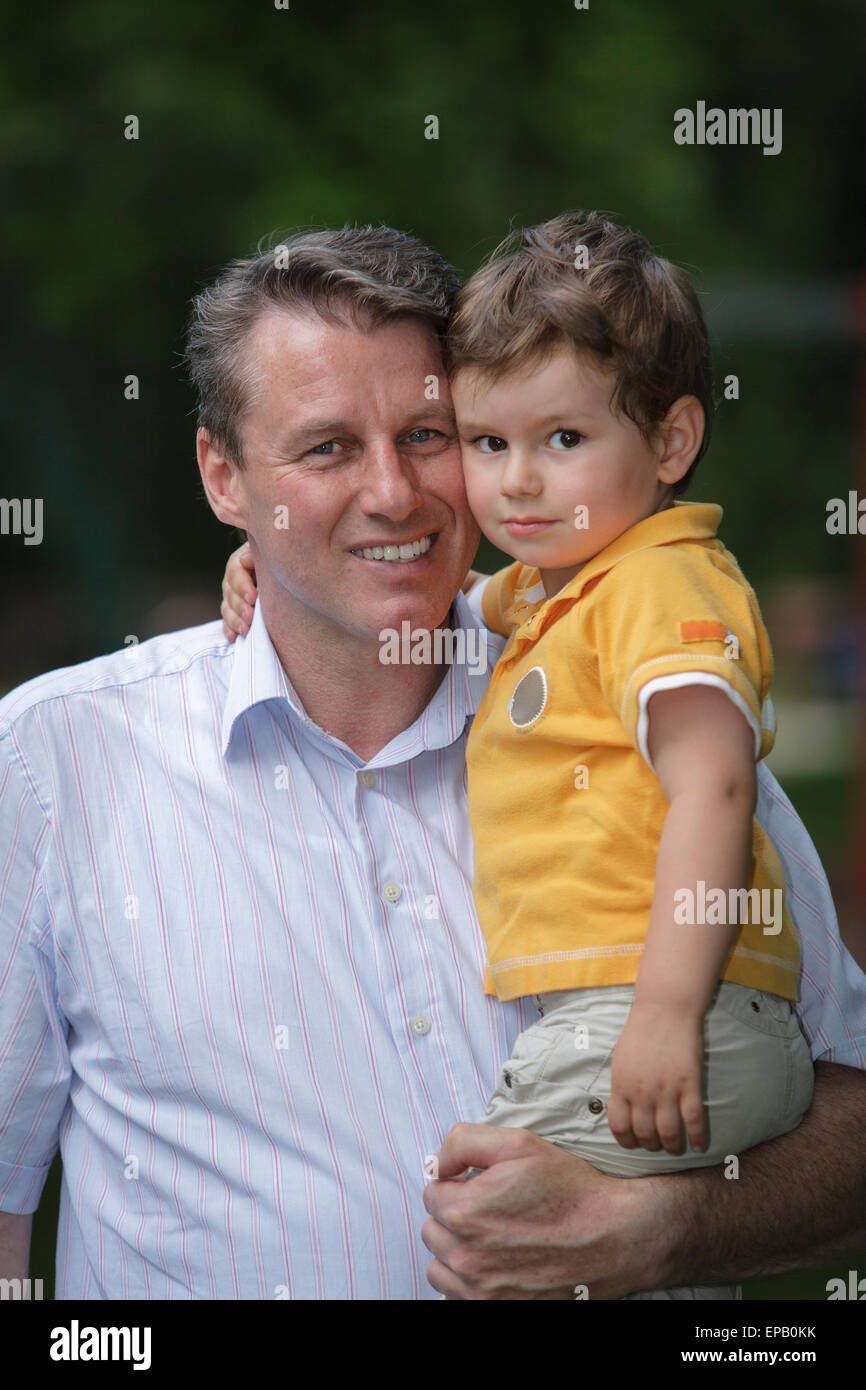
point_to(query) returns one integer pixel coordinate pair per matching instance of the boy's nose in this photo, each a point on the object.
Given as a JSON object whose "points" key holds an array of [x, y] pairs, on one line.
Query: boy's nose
{"points": [[519, 477]]}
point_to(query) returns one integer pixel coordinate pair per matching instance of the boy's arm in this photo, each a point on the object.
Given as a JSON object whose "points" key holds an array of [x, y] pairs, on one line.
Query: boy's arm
{"points": [[702, 750]]}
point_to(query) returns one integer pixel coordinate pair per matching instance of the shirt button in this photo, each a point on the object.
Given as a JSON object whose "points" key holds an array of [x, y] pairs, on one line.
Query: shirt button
{"points": [[596, 1106], [367, 779], [420, 1024], [393, 892]]}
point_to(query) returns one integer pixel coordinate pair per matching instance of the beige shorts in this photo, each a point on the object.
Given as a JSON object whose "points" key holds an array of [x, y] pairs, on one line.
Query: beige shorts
{"points": [[758, 1080]]}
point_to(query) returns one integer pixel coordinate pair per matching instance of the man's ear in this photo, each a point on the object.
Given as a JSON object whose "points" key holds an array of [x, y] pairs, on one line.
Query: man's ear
{"points": [[680, 436], [221, 479]]}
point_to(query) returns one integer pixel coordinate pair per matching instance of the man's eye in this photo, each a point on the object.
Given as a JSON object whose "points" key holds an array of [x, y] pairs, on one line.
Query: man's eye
{"points": [[324, 450], [491, 443], [569, 439], [422, 435]]}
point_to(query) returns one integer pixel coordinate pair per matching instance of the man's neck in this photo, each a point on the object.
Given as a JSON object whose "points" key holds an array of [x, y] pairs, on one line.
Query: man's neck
{"points": [[341, 682]]}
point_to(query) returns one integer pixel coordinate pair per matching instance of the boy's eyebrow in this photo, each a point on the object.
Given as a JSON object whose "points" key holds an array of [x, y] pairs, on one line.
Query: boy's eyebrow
{"points": [[562, 418]]}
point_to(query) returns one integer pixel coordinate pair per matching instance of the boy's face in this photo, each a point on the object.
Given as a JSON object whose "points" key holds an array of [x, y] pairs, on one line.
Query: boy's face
{"points": [[542, 451]]}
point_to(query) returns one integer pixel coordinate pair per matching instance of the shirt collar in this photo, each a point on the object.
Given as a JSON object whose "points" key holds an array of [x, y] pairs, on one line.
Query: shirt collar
{"points": [[682, 521], [257, 675]]}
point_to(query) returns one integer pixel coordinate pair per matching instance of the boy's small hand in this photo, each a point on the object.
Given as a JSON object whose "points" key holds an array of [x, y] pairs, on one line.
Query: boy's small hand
{"points": [[657, 1082], [239, 593]]}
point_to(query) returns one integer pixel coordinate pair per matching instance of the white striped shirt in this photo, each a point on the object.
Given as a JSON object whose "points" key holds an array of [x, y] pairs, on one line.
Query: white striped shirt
{"points": [[241, 973]]}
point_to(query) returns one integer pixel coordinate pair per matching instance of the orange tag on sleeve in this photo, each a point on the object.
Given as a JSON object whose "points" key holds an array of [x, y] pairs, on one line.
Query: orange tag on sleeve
{"points": [[703, 632]]}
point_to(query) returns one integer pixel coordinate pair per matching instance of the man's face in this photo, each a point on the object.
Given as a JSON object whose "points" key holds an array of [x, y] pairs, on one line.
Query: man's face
{"points": [[344, 455]]}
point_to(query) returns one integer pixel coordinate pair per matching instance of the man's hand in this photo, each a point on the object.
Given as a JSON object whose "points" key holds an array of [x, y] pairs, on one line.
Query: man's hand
{"points": [[536, 1224], [657, 1081]]}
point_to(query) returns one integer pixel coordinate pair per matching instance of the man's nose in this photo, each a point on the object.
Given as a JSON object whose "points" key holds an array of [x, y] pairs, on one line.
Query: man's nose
{"points": [[519, 475], [390, 485]]}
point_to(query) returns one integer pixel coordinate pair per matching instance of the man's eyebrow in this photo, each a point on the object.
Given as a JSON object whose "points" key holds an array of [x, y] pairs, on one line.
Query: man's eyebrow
{"points": [[325, 428], [431, 411], [319, 430]]}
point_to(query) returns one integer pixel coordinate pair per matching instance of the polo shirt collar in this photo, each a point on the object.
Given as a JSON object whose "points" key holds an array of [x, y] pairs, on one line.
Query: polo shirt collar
{"points": [[531, 610], [257, 676]]}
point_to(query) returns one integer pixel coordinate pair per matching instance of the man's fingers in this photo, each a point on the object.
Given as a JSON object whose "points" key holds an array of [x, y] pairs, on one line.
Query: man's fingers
{"points": [[444, 1280], [439, 1240], [480, 1146]]}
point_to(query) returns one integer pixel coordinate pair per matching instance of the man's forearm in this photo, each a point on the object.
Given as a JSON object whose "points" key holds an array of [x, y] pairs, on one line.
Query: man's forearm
{"points": [[14, 1245], [799, 1201]]}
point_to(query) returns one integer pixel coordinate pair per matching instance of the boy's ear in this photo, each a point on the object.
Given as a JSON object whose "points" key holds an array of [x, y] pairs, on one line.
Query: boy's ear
{"points": [[680, 435]]}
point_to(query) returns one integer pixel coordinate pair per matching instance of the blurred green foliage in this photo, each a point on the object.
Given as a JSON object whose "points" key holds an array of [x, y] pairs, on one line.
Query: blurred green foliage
{"points": [[253, 118]]}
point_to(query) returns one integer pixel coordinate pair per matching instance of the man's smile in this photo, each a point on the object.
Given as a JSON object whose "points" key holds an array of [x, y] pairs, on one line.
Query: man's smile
{"points": [[397, 552]]}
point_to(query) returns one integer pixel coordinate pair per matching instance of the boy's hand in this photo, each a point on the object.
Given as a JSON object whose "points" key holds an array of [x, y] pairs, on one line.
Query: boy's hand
{"points": [[239, 593], [657, 1081]]}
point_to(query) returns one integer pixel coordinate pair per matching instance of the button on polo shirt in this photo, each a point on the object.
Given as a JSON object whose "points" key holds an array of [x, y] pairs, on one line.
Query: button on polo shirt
{"points": [[567, 812]]}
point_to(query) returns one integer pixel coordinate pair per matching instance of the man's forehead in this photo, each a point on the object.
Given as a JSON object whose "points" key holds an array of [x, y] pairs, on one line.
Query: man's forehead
{"points": [[308, 371], [303, 343]]}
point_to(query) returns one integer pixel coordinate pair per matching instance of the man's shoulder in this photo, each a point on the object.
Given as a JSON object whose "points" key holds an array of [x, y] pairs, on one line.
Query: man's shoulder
{"points": [[170, 656]]}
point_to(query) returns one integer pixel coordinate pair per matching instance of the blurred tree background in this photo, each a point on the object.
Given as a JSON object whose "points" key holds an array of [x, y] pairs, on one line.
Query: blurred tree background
{"points": [[253, 118]]}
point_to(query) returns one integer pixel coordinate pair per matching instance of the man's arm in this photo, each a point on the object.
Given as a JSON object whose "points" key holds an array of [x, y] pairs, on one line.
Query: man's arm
{"points": [[539, 1222], [14, 1245], [799, 1202]]}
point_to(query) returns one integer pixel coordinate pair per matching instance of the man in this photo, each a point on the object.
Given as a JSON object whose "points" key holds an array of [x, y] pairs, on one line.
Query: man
{"points": [[242, 972]]}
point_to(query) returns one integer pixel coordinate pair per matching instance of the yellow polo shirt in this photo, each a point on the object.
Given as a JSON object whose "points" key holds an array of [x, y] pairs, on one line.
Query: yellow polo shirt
{"points": [[567, 813]]}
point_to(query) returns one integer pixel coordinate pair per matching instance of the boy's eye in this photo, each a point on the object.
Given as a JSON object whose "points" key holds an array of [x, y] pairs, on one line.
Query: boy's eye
{"points": [[565, 439], [490, 443]]}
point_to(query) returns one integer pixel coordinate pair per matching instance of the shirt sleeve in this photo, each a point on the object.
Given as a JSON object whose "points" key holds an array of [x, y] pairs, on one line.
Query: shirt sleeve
{"points": [[34, 1061], [498, 597], [832, 1005], [666, 618], [475, 597]]}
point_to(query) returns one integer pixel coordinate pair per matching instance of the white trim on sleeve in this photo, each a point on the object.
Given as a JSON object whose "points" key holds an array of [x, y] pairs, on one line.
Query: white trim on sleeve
{"points": [[676, 682]]}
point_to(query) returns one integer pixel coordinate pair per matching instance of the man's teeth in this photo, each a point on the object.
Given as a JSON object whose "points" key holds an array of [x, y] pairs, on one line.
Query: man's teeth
{"points": [[398, 553]]}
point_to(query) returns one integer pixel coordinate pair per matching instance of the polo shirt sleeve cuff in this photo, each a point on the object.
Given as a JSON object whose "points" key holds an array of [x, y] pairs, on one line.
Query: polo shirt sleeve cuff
{"points": [[21, 1187], [679, 679]]}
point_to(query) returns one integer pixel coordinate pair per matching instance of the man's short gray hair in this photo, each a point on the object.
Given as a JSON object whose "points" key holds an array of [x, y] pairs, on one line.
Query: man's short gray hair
{"points": [[359, 275]]}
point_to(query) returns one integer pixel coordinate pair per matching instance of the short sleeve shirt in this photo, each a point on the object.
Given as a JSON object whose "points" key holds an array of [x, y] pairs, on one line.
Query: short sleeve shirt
{"points": [[567, 811]]}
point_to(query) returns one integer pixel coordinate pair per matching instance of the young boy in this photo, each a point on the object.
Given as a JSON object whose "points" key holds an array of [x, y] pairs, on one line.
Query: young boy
{"points": [[620, 877]]}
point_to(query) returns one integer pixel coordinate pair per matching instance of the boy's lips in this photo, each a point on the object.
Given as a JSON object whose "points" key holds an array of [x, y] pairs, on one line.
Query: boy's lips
{"points": [[526, 525]]}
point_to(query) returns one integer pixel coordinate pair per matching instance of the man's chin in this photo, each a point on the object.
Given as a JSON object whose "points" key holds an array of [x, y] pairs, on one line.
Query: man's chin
{"points": [[419, 611]]}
